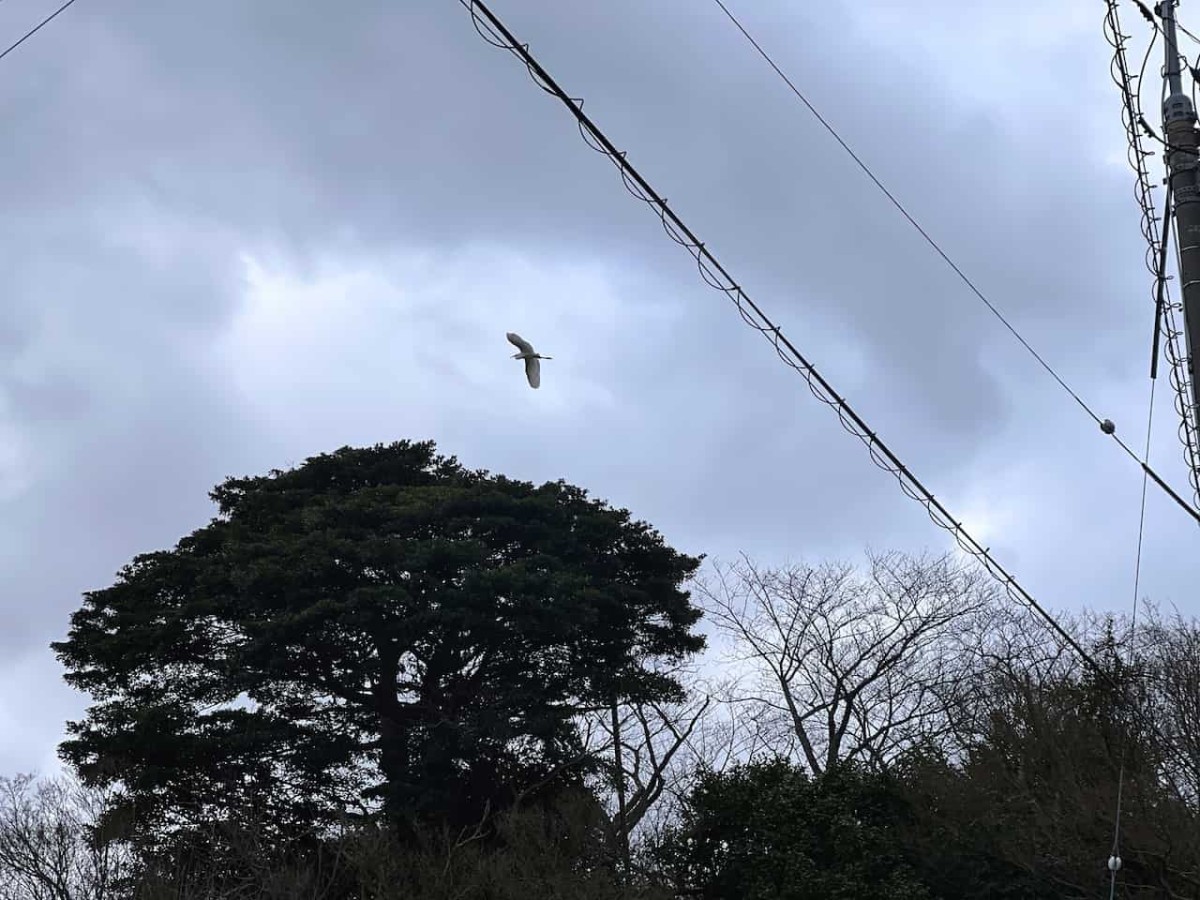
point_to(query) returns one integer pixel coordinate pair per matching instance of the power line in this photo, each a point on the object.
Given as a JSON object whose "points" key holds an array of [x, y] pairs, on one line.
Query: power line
{"points": [[42, 24], [946, 258], [716, 276], [1115, 856], [495, 33]]}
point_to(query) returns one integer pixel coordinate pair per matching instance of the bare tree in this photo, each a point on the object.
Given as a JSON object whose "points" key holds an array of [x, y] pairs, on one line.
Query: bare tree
{"points": [[843, 665], [663, 746], [1170, 649], [656, 752], [1161, 654], [48, 848], [1010, 656]]}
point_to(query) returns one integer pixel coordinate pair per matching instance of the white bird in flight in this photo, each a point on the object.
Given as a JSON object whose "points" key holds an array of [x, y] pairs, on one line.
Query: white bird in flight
{"points": [[533, 368]]}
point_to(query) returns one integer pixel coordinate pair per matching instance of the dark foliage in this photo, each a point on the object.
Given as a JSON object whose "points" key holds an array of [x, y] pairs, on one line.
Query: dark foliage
{"points": [[1031, 811], [767, 831], [405, 630]]}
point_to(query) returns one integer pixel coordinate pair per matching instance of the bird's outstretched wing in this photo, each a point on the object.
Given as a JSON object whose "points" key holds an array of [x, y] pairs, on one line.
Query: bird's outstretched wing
{"points": [[519, 342], [533, 371]]}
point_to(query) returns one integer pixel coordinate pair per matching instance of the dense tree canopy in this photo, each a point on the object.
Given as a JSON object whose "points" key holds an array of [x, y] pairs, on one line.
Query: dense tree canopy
{"points": [[769, 831], [376, 625]]}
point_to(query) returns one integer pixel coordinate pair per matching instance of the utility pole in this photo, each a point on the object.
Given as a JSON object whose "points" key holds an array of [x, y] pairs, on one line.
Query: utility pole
{"points": [[1183, 167]]}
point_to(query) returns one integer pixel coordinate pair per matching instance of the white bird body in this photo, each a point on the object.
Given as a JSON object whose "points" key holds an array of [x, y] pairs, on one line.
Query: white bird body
{"points": [[533, 368]]}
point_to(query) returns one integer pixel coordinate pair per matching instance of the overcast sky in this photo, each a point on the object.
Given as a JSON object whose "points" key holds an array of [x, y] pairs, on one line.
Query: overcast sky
{"points": [[235, 235]]}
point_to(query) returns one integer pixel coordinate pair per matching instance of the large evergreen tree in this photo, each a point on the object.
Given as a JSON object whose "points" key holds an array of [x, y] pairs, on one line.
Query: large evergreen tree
{"points": [[377, 624]]}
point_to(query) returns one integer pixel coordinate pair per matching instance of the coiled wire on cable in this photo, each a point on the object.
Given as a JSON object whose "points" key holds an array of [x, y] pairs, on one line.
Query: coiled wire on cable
{"points": [[1131, 116]]}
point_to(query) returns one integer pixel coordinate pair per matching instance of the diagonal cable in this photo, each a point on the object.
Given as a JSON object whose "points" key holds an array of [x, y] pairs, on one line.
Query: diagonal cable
{"points": [[35, 29], [715, 275], [946, 258]]}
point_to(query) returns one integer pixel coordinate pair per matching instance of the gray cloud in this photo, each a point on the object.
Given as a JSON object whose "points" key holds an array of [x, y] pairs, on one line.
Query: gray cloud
{"points": [[236, 235]]}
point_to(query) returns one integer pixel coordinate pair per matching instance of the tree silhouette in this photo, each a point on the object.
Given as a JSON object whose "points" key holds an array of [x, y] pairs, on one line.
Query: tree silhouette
{"points": [[377, 628]]}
